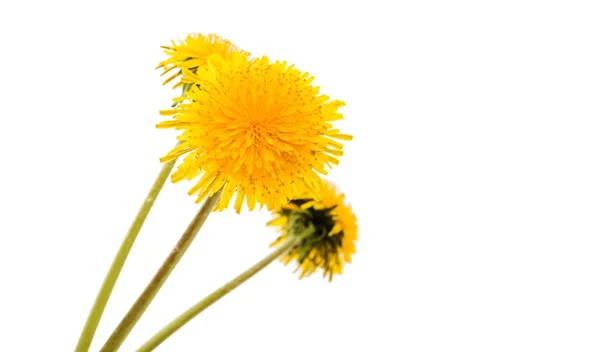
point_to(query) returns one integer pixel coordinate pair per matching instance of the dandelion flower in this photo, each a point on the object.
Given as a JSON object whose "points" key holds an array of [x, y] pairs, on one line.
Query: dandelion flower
{"points": [[257, 129], [192, 52], [331, 244]]}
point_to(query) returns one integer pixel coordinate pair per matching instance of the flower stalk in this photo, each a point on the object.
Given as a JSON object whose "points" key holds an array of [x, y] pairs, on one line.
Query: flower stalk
{"points": [[197, 308], [91, 324], [141, 304]]}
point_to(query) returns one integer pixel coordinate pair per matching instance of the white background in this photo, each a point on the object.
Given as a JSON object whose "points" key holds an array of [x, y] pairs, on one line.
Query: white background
{"points": [[474, 174]]}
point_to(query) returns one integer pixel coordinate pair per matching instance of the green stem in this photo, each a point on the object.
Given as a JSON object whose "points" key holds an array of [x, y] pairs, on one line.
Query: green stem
{"points": [[196, 309], [89, 329], [141, 304]]}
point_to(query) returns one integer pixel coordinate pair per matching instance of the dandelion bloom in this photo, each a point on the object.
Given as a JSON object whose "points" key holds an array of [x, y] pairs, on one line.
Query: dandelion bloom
{"points": [[192, 52], [257, 129], [330, 244]]}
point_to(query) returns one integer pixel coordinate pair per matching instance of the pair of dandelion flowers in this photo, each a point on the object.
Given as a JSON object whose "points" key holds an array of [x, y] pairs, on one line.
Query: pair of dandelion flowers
{"points": [[260, 132]]}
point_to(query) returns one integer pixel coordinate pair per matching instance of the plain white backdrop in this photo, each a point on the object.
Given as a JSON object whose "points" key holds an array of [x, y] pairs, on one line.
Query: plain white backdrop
{"points": [[474, 174]]}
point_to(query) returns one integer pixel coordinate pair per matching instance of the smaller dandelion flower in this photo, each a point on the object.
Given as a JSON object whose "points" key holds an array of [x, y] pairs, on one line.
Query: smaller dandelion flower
{"points": [[332, 232], [315, 233], [258, 130], [192, 52]]}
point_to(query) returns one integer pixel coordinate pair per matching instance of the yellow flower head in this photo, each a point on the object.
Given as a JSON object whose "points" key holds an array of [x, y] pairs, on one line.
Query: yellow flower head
{"points": [[332, 241], [256, 128], [192, 52]]}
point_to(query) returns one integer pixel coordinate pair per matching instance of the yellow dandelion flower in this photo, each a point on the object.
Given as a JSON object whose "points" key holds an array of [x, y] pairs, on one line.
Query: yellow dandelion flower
{"points": [[192, 52], [256, 128], [332, 242]]}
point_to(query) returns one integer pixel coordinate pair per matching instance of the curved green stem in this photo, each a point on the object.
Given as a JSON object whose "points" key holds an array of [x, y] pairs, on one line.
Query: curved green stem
{"points": [[196, 309], [141, 304], [91, 324]]}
